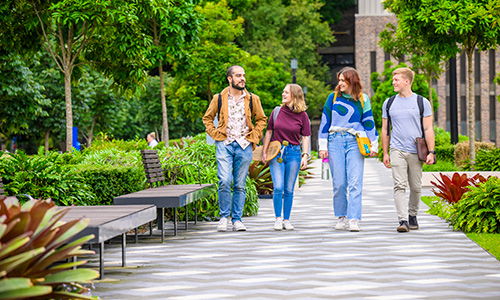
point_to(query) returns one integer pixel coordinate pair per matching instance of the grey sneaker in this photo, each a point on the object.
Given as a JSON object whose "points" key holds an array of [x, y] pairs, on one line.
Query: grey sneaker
{"points": [[412, 220], [403, 226], [353, 225], [238, 226], [278, 224], [341, 223], [287, 225], [222, 226]]}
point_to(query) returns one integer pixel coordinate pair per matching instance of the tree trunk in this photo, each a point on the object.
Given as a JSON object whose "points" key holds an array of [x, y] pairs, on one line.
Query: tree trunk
{"points": [[164, 129], [46, 141], [472, 114], [69, 110], [429, 84], [91, 133]]}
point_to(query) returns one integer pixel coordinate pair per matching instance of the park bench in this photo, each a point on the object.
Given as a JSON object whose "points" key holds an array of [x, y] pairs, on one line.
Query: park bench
{"points": [[107, 222], [165, 196]]}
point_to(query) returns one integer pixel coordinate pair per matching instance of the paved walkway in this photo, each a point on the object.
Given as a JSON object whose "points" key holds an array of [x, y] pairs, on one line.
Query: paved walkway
{"points": [[312, 262]]}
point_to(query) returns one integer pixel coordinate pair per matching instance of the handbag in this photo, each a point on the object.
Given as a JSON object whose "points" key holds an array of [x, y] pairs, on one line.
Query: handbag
{"points": [[422, 150], [364, 143]]}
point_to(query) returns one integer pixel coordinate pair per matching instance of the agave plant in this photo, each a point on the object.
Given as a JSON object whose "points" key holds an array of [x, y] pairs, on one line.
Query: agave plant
{"points": [[452, 188], [33, 246]]}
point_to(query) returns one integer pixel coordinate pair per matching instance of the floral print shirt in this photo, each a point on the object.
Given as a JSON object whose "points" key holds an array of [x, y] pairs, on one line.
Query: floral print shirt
{"points": [[237, 127]]}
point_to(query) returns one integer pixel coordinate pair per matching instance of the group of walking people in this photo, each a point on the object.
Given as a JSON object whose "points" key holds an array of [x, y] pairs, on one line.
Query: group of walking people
{"points": [[347, 113]]}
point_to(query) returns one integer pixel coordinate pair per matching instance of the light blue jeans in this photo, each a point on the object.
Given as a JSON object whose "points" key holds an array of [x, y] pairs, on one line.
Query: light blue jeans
{"points": [[232, 166], [346, 165], [284, 175]]}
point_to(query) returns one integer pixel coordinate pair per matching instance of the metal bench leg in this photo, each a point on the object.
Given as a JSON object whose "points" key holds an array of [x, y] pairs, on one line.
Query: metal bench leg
{"points": [[195, 213], [162, 224], [159, 214], [175, 221], [136, 236], [124, 245], [150, 228], [101, 260]]}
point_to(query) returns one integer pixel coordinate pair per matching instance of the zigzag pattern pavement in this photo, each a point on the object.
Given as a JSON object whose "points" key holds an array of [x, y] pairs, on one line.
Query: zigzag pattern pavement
{"points": [[314, 261]]}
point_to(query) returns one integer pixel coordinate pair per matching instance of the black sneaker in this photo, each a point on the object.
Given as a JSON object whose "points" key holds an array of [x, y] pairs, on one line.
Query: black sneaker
{"points": [[403, 226], [413, 222]]}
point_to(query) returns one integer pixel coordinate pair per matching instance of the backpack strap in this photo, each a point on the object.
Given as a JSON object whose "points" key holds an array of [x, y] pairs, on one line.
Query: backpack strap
{"points": [[251, 103], [276, 112], [420, 103], [219, 106], [387, 107]]}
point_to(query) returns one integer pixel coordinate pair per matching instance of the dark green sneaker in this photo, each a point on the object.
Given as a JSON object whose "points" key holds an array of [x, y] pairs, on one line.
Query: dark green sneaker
{"points": [[403, 226], [413, 222]]}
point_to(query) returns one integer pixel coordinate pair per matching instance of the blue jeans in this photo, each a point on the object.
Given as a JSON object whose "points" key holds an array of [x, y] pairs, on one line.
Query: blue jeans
{"points": [[346, 165], [232, 166], [284, 175]]}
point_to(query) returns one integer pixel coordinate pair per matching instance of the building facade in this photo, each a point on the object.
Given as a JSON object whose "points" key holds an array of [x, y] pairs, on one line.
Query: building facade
{"points": [[371, 18]]}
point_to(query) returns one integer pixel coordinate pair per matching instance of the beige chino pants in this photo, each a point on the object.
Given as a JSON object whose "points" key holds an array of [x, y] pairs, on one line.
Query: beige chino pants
{"points": [[406, 171]]}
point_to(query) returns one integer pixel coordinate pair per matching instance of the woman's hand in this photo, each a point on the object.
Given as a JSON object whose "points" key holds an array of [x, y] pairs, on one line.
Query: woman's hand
{"points": [[264, 157], [303, 162], [373, 154], [323, 154]]}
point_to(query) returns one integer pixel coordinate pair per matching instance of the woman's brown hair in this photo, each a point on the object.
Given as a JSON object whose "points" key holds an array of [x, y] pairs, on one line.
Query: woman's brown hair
{"points": [[351, 76], [298, 103]]}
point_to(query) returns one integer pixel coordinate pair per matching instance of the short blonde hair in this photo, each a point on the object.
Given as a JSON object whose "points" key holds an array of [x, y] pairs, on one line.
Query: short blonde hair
{"points": [[406, 73], [152, 134], [298, 103]]}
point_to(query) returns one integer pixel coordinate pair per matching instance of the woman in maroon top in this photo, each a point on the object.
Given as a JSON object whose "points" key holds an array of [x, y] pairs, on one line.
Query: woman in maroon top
{"points": [[292, 125]]}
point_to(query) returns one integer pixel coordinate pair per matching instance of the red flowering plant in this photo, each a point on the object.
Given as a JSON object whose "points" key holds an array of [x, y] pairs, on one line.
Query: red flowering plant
{"points": [[452, 188]]}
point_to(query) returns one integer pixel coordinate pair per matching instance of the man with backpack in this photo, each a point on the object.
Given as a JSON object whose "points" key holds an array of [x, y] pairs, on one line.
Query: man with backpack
{"points": [[235, 138], [410, 116]]}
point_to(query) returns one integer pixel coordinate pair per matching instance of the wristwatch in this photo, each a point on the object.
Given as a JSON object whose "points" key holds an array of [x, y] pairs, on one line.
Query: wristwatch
{"points": [[433, 152], [305, 154]]}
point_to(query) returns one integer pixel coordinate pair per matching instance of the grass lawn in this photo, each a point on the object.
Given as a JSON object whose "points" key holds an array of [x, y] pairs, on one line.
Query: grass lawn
{"points": [[488, 241]]}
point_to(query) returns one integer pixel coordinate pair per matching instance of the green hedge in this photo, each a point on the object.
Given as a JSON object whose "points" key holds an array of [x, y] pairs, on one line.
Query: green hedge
{"points": [[109, 181], [445, 153]]}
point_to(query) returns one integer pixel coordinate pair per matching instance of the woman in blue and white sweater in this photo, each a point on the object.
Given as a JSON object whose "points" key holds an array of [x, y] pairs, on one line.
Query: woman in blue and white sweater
{"points": [[347, 111]]}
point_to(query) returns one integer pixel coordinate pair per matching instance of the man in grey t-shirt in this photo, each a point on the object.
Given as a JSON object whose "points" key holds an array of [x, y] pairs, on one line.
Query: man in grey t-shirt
{"points": [[406, 167]]}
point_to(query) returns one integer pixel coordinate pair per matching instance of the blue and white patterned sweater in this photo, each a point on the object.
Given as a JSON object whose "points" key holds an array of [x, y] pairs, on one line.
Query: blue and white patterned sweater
{"points": [[345, 115]]}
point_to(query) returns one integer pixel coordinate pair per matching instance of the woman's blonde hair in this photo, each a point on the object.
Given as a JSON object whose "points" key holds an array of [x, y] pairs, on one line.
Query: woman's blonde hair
{"points": [[298, 103]]}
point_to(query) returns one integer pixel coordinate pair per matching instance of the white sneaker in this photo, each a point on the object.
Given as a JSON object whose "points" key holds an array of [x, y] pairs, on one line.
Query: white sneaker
{"points": [[353, 225], [287, 225], [238, 226], [222, 226], [278, 224], [341, 223]]}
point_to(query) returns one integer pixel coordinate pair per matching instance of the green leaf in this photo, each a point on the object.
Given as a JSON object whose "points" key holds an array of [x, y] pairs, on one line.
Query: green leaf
{"points": [[78, 275], [33, 291]]}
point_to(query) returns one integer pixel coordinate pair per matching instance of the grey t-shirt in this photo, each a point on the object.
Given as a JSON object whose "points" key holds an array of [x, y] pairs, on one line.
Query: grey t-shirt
{"points": [[405, 118]]}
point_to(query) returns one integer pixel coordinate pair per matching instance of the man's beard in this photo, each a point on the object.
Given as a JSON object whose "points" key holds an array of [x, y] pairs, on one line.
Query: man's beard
{"points": [[237, 87]]}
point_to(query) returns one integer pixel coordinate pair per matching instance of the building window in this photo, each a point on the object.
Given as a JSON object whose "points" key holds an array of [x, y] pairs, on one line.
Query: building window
{"points": [[373, 61], [463, 97], [387, 56], [493, 113]]}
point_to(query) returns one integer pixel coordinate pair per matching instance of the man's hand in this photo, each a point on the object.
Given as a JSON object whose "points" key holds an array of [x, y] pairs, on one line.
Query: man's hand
{"points": [[323, 154], [387, 161], [430, 159], [373, 154]]}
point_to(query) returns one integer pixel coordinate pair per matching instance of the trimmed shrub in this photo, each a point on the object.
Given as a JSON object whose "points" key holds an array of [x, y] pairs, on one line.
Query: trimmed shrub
{"points": [[462, 152], [478, 211], [109, 181], [488, 160]]}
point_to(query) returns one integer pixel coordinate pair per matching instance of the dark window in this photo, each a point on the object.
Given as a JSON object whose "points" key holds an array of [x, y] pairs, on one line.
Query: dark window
{"points": [[373, 61], [493, 113], [387, 56], [345, 59]]}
